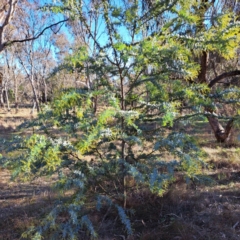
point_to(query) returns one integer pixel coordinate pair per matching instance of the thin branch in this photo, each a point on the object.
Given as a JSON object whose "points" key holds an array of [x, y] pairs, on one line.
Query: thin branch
{"points": [[34, 37]]}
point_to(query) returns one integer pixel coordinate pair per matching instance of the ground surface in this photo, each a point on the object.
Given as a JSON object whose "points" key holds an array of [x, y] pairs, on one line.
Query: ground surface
{"points": [[200, 210]]}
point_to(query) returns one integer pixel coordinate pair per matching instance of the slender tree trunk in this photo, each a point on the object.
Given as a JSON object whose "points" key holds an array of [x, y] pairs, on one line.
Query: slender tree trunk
{"points": [[15, 92], [1, 90], [222, 134], [1, 98], [123, 144], [95, 100], [203, 70], [36, 101], [7, 99], [31, 79], [45, 91], [33, 108]]}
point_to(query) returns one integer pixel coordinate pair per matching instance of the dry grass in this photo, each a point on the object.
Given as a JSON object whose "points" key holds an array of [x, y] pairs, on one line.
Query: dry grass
{"points": [[22, 204], [207, 210], [9, 121]]}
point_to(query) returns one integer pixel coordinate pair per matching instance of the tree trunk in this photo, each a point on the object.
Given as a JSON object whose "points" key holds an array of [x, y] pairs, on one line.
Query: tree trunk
{"points": [[1, 98], [33, 108], [15, 92], [45, 92], [35, 96], [30, 75], [7, 99], [222, 134], [203, 70], [1, 90]]}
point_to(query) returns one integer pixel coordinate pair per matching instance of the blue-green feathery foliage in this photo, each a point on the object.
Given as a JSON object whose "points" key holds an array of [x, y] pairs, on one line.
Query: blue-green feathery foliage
{"points": [[97, 136]]}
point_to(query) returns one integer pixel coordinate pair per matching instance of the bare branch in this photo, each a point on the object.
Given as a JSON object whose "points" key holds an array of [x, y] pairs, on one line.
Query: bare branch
{"points": [[34, 37], [222, 76]]}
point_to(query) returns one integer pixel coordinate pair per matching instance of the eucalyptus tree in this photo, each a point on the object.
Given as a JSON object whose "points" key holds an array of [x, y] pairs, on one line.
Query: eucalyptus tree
{"points": [[9, 9], [46, 61], [12, 13], [35, 56]]}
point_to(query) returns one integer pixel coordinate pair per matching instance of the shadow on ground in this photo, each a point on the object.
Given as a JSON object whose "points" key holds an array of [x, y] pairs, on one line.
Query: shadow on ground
{"points": [[205, 212]]}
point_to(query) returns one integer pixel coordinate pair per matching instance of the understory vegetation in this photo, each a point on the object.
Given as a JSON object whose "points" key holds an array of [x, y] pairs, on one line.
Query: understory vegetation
{"points": [[122, 148]]}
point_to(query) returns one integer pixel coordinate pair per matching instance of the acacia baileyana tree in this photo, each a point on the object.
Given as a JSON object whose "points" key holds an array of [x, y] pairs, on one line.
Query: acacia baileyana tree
{"points": [[145, 67]]}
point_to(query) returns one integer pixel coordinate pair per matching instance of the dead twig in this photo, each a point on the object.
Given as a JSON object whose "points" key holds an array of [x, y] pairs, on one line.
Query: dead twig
{"points": [[235, 225]]}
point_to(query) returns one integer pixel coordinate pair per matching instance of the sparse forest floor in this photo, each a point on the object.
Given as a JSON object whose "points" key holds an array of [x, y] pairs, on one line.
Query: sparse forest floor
{"points": [[208, 209], [10, 120]]}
